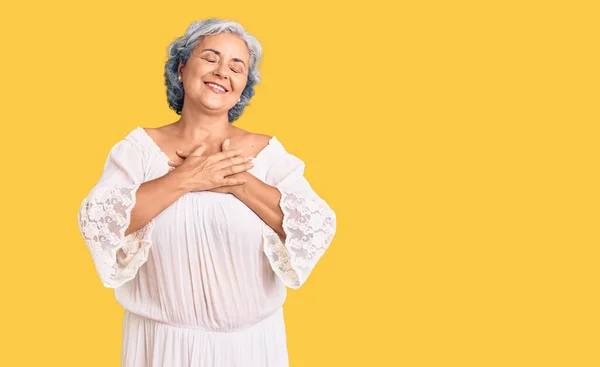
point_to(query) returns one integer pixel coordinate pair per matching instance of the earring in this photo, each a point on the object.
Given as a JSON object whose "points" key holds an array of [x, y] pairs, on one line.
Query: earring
{"points": [[239, 99], [179, 77]]}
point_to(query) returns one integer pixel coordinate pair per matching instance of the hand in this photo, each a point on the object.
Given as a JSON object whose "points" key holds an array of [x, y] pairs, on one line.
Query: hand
{"points": [[210, 173], [223, 172], [242, 175]]}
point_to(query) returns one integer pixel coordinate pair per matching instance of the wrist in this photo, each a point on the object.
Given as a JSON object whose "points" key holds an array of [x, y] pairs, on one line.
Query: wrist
{"points": [[240, 190], [177, 182]]}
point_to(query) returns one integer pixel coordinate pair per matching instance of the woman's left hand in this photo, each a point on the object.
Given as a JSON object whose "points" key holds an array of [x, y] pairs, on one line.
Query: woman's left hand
{"points": [[221, 189]]}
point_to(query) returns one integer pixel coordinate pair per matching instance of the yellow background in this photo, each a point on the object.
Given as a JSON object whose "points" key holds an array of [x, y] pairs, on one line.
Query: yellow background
{"points": [[456, 140]]}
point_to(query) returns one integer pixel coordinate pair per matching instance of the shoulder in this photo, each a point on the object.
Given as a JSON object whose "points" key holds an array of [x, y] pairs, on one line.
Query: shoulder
{"points": [[251, 142], [135, 147], [134, 139], [153, 136], [272, 153], [260, 139], [258, 142]]}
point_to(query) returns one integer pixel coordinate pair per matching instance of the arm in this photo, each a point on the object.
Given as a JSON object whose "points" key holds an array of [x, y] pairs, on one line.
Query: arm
{"points": [[116, 217], [264, 200], [299, 224], [153, 197]]}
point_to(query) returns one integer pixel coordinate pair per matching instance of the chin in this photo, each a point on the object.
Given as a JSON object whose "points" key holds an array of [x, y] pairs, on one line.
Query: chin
{"points": [[216, 106], [215, 103]]}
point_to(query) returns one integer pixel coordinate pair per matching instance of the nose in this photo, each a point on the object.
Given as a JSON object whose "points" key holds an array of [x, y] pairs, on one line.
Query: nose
{"points": [[222, 70]]}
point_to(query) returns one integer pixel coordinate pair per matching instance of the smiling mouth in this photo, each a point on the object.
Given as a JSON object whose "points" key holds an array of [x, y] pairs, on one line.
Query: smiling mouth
{"points": [[216, 88]]}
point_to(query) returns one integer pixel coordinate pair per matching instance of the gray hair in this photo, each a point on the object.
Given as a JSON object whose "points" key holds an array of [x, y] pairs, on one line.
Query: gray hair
{"points": [[182, 48]]}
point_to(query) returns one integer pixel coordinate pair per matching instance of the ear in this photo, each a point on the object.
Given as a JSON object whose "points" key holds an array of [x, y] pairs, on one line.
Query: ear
{"points": [[180, 67]]}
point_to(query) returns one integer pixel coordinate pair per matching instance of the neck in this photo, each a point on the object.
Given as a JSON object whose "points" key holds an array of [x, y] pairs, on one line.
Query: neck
{"points": [[197, 125]]}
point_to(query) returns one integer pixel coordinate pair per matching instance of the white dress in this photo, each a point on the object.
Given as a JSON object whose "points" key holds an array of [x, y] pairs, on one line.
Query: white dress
{"points": [[204, 282]]}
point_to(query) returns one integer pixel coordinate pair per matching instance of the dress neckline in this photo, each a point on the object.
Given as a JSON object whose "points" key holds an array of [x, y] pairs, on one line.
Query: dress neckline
{"points": [[165, 156]]}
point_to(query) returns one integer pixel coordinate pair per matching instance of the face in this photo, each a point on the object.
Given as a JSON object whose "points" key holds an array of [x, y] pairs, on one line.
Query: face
{"points": [[216, 72]]}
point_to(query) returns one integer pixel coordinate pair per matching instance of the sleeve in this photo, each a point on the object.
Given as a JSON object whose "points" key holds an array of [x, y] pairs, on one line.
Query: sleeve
{"points": [[309, 223], [105, 214]]}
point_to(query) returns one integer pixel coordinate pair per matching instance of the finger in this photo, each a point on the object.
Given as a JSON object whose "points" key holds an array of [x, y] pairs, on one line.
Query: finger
{"points": [[199, 150], [232, 170], [174, 164], [224, 155], [226, 145], [233, 181], [231, 162]]}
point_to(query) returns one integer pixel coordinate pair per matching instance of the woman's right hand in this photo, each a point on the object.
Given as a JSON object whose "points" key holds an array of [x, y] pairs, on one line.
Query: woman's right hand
{"points": [[200, 172]]}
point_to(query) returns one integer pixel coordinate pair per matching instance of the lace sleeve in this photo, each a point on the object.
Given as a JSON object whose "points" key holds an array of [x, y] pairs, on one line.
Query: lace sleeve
{"points": [[309, 224], [105, 214]]}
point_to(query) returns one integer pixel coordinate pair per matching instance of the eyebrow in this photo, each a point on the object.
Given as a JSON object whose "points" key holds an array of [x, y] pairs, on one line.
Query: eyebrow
{"points": [[219, 53]]}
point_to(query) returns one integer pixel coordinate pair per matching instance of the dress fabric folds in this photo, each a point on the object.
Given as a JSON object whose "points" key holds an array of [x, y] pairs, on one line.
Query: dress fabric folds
{"points": [[204, 282]]}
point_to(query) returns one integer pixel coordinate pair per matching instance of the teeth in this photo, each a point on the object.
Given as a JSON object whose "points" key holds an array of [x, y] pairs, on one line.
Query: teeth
{"points": [[216, 86]]}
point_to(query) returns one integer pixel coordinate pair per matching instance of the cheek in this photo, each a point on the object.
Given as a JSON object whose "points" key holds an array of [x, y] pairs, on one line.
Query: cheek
{"points": [[200, 71], [197, 85], [240, 84]]}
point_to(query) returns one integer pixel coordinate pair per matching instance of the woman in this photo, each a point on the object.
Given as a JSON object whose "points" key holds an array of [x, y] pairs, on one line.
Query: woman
{"points": [[198, 225]]}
